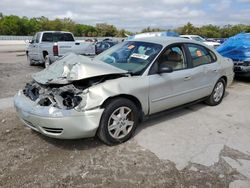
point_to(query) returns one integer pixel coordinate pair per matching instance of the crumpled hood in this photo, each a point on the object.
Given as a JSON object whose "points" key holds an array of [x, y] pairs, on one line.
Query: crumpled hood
{"points": [[74, 67]]}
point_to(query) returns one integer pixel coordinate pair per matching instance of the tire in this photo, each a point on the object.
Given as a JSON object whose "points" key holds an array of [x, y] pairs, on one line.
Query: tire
{"points": [[118, 121], [218, 93], [47, 61], [30, 62]]}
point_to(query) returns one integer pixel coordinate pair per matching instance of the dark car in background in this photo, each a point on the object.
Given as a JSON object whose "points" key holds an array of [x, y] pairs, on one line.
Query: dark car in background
{"points": [[238, 49], [104, 45]]}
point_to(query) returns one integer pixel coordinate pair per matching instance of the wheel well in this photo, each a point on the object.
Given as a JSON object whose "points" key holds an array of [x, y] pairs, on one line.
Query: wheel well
{"points": [[129, 97], [224, 78], [45, 53]]}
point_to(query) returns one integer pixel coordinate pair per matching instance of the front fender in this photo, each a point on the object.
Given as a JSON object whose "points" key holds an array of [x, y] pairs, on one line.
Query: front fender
{"points": [[136, 86]]}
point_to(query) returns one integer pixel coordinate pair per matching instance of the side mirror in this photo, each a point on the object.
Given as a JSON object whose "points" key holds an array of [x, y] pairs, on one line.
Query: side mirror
{"points": [[27, 41], [164, 69]]}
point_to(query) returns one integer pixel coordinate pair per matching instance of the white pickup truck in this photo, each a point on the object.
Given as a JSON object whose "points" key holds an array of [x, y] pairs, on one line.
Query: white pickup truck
{"points": [[47, 46], [200, 39]]}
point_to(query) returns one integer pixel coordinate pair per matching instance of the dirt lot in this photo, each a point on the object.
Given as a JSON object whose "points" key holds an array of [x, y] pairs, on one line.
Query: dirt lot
{"points": [[197, 146]]}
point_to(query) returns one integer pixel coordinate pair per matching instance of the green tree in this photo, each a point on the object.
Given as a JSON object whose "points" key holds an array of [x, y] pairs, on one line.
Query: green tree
{"points": [[14, 25], [149, 29], [106, 30], [10, 25], [188, 29], [210, 31]]}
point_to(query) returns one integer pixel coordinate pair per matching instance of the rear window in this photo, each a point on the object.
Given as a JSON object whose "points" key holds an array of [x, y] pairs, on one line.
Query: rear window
{"points": [[57, 37]]}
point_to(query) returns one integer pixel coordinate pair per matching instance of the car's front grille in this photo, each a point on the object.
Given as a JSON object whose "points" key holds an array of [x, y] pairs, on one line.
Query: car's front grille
{"points": [[242, 63], [237, 68], [53, 130]]}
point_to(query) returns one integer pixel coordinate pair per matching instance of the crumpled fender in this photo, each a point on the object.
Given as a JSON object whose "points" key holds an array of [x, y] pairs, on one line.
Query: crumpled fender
{"points": [[136, 86]]}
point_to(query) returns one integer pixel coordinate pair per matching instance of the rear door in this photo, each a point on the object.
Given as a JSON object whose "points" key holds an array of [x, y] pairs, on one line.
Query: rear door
{"points": [[205, 69]]}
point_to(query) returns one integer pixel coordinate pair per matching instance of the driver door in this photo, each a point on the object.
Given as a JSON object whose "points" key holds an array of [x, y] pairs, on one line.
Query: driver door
{"points": [[34, 47], [171, 89]]}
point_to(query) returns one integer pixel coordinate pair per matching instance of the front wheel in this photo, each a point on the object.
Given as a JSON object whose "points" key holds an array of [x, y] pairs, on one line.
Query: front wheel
{"points": [[218, 93], [118, 122], [30, 62]]}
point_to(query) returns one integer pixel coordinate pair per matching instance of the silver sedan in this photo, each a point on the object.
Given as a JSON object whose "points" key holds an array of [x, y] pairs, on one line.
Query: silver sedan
{"points": [[78, 97]]}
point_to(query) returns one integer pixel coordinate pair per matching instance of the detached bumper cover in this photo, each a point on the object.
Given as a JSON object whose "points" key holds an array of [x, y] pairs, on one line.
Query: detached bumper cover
{"points": [[57, 123]]}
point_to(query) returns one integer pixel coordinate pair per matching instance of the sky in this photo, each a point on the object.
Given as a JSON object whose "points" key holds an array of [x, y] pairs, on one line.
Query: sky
{"points": [[134, 15]]}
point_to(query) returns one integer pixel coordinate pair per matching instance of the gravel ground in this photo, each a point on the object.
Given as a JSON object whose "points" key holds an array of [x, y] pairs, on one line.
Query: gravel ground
{"points": [[14, 72], [28, 159]]}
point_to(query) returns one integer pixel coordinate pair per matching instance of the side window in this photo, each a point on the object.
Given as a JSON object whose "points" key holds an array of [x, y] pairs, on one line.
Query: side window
{"points": [[68, 37], [174, 58], [200, 55], [38, 35], [47, 37], [105, 45], [34, 39]]}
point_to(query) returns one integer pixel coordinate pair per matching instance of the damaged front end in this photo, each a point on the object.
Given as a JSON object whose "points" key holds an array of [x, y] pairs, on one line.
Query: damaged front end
{"points": [[64, 84], [62, 97], [57, 102]]}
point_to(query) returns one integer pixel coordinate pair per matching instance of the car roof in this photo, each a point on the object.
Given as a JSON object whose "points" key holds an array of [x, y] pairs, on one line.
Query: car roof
{"points": [[189, 35], [164, 41], [55, 32]]}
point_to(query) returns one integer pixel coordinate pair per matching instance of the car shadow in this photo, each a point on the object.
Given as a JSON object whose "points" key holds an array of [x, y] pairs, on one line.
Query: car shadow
{"points": [[72, 144], [172, 114], [242, 79], [226, 94], [167, 115], [90, 143]]}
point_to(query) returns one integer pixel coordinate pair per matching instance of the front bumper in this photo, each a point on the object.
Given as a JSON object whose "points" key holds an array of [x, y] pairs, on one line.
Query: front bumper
{"points": [[57, 123], [241, 70]]}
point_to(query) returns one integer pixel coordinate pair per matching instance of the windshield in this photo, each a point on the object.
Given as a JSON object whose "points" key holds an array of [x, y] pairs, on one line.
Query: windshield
{"points": [[132, 56], [198, 38]]}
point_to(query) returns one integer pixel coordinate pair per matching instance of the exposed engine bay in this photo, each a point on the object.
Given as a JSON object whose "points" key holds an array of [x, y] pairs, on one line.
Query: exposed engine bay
{"points": [[66, 96]]}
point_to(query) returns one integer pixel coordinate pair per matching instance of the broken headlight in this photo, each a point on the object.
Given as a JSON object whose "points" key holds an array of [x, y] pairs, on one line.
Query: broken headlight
{"points": [[65, 97], [70, 100], [31, 91]]}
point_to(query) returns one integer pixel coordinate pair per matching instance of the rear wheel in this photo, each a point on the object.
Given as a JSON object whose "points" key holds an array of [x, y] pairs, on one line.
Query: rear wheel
{"points": [[118, 122], [47, 61], [218, 93]]}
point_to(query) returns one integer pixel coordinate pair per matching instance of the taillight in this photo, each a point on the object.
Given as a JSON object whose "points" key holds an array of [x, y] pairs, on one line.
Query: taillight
{"points": [[55, 50]]}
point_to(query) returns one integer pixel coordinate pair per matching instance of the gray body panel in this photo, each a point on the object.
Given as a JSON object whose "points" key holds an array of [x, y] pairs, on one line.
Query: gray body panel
{"points": [[155, 92]]}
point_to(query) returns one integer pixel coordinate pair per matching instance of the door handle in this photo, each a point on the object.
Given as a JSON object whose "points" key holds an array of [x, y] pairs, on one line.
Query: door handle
{"points": [[215, 70], [187, 78]]}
